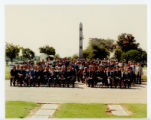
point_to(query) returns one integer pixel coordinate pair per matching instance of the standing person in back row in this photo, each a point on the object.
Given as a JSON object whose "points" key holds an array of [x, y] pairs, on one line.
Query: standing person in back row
{"points": [[139, 73]]}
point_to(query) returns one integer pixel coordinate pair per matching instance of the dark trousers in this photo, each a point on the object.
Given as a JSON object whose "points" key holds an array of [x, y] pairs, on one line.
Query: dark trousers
{"points": [[115, 82], [68, 79], [129, 83], [120, 83], [21, 81], [27, 80], [12, 81], [63, 82], [39, 81], [89, 82], [125, 83], [50, 81]]}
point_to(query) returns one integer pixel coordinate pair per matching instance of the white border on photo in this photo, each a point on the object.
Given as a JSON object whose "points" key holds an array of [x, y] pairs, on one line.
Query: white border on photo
{"points": [[68, 2], [2, 62], [149, 60]]}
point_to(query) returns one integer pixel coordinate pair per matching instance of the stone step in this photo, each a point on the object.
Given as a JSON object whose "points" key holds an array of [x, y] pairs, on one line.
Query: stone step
{"points": [[118, 110], [45, 111]]}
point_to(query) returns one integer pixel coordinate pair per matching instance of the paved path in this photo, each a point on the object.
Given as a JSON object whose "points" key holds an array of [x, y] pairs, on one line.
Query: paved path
{"points": [[81, 94], [118, 110], [44, 111]]}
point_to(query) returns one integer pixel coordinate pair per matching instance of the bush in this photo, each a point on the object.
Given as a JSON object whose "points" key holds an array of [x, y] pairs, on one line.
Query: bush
{"points": [[135, 56]]}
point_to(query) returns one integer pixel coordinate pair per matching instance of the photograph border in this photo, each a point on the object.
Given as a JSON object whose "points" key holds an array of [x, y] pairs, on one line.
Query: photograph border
{"points": [[3, 3]]}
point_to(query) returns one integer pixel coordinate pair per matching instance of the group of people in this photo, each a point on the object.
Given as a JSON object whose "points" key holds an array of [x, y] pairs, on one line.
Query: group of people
{"points": [[65, 72]]}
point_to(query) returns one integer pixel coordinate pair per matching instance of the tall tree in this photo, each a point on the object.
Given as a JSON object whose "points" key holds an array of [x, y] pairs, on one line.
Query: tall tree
{"points": [[28, 53], [106, 43], [12, 51], [118, 54], [135, 56], [127, 42], [96, 51], [47, 50]]}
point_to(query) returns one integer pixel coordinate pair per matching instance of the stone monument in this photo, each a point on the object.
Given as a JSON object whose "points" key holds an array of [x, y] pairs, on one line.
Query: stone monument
{"points": [[81, 41]]}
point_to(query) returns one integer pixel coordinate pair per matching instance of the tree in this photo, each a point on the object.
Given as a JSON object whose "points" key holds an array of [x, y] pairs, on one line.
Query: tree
{"points": [[27, 53], [106, 43], [95, 51], [127, 42], [118, 54], [135, 56], [12, 51], [86, 53], [47, 50]]}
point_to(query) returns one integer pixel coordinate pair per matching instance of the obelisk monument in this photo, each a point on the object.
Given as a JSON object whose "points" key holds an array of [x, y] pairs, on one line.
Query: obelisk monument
{"points": [[81, 41]]}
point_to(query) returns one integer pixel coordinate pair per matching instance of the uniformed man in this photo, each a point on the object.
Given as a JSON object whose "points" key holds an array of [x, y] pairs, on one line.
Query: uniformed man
{"points": [[32, 73], [73, 77], [21, 75], [40, 76], [126, 78], [139, 73], [46, 75], [27, 76], [13, 74], [117, 76], [109, 79]]}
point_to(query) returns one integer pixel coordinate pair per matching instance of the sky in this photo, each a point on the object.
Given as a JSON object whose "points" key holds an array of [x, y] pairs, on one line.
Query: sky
{"points": [[58, 25]]}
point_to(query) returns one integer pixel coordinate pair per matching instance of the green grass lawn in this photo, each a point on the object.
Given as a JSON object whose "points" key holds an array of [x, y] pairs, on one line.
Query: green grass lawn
{"points": [[18, 109], [76, 110], [144, 78], [7, 72]]}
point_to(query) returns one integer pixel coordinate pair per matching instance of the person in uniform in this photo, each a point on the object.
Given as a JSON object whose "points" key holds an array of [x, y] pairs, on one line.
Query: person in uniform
{"points": [[35, 75], [46, 75], [73, 77], [50, 80], [117, 76], [68, 76], [109, 79], [121, 81], [89, 79], [21, 75], [54, 77], [31, 73], [126, 78], [13, 74], [130, 75], [85, 74], [17, 74], [27, 76], [139, 73], [40, 76]]}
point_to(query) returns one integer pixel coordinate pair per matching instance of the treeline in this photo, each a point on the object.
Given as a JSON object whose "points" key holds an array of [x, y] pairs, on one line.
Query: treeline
{"points": [[124, 49], [16, 52]]}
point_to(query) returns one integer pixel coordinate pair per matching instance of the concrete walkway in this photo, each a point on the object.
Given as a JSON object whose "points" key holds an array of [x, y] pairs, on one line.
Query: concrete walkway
{"points": [[118, 110], [44, 111], [80, 94]]}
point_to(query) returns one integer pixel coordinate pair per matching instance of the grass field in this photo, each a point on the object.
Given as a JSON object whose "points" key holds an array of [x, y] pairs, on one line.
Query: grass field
{"points": [[76, 110], [18, 109], [144, 78], [7, 72]]}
